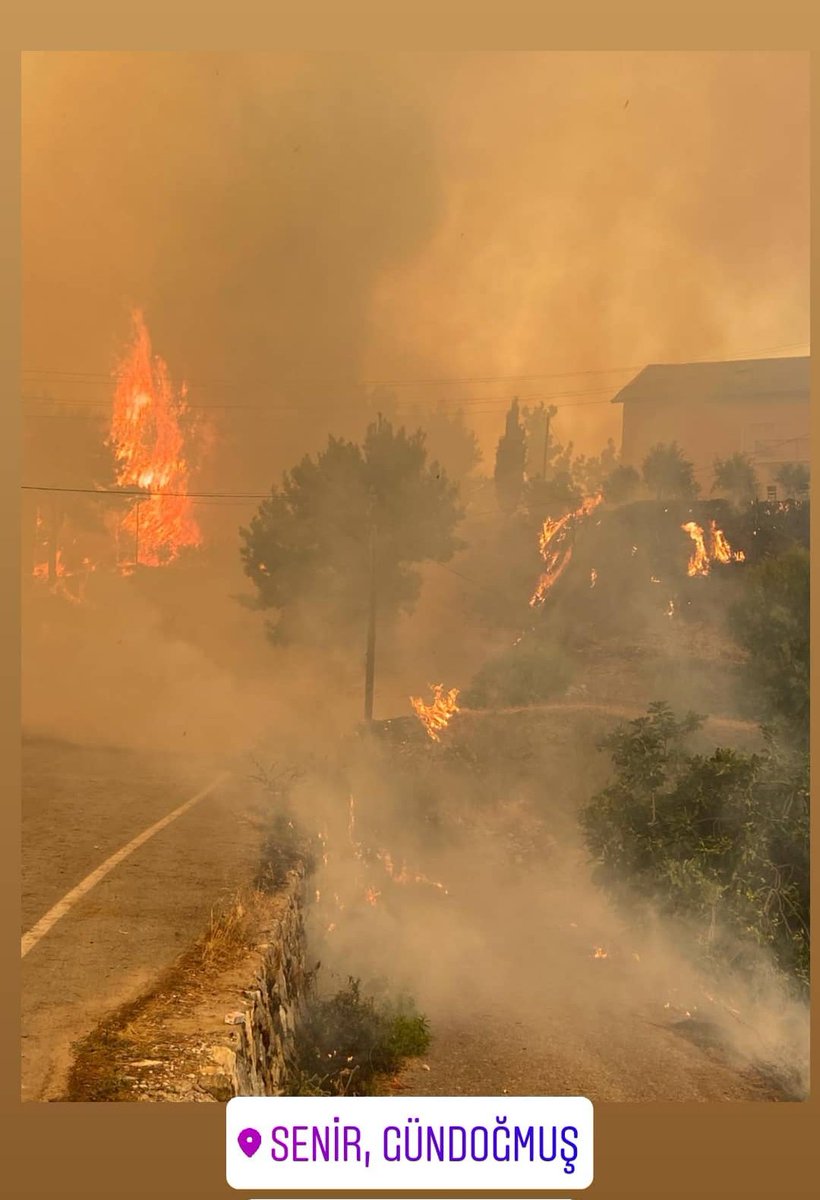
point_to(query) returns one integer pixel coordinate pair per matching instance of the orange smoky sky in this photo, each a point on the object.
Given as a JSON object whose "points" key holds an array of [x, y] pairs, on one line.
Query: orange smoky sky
{"points": [[455, 227]]}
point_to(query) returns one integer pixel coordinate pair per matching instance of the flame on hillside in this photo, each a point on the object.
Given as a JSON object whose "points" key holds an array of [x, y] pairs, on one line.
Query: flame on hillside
{"points": [[148, 445], [703, 554], [721, 550], [365, 887], [436, 717], [403, 876], [555, 545], [66, 575]]}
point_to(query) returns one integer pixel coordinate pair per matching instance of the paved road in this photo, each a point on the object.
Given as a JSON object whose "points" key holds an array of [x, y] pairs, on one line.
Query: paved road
{"points": [[80, 806], [547, 1017]]}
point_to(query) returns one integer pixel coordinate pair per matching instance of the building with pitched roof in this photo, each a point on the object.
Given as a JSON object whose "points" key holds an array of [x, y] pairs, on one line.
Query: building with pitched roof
{"points": [[714, 409]]}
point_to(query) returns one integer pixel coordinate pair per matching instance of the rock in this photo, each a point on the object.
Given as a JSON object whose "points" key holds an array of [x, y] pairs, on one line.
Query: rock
{"points": [[217, 1085]]}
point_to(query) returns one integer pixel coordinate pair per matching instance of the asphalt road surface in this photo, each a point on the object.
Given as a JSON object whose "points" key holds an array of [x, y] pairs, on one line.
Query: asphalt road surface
{"points": [[80, 806]]}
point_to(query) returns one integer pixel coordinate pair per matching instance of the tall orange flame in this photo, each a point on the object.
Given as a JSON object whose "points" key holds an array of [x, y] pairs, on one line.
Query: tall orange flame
{"points": [[699, 562], [721, 550], [556, 547], [718, 550], [149, 449]]}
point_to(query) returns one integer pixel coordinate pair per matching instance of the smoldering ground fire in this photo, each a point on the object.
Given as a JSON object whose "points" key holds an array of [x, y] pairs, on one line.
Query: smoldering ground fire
{"points": [[255, 260]]}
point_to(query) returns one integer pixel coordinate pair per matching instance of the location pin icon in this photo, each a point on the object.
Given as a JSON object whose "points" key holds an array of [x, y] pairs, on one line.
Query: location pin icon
{"points": [[249, 1141]]}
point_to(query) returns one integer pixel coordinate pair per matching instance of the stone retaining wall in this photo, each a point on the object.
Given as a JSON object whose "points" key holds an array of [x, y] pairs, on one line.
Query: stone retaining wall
{"points": [[254, 1056]]}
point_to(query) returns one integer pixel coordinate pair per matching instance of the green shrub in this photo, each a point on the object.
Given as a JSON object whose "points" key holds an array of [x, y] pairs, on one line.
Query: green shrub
{"points": [[529, 673], [347, 1040], [410, 1035], [721, 840], [771, 622]]}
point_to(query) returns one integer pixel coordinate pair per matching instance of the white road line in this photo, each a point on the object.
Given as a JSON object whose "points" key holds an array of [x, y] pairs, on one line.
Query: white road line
{"points": [[30, 939]]}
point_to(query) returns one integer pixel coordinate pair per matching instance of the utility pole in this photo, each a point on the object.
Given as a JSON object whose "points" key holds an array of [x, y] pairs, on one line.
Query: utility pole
{"points": [[370, 655], [137, 536], [546, 442]]}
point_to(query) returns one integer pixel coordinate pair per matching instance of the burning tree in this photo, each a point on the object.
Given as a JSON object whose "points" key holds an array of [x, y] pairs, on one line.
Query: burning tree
{"points": [[65, 528], [148, 440], [130, 478], [352, 521]]}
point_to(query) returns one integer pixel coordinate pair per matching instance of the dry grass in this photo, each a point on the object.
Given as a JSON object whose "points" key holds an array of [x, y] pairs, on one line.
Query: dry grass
{"points": [[231, 930], [104, 1062]]}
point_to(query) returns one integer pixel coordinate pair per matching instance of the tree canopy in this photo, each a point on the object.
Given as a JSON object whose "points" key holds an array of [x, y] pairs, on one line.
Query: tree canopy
{"points": [[510, 460], [590, 472], [736, 478], [771, 622], [541, 449], [450, 440], [794, 478], [668, 474], [308, 548], [621, 485]]}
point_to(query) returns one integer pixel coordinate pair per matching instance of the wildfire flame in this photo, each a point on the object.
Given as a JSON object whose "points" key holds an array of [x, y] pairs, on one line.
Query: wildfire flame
{"points": [[593, 577], [721, 550], [718, 549], [57, 571], [599, 952], [404, 876], [148, 445], [365, 886], [556, 548], [41, 568], [436, 717]]}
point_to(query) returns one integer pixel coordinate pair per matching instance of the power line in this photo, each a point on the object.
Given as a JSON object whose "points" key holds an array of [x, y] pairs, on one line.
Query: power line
{"points": [[145, 495], [406, 407], [95, 378], [473, 582], [92, 377]]}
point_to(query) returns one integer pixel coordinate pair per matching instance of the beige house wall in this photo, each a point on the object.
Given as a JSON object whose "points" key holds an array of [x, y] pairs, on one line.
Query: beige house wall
{"points": [[772, 432]]}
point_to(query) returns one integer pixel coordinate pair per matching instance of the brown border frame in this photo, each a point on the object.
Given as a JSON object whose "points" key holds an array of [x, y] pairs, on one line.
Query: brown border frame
{"points": [[642, 1150]]}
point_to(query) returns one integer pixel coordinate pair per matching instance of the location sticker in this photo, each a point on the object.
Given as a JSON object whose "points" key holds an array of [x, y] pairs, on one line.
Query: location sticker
{"points": [[249, 1141]]}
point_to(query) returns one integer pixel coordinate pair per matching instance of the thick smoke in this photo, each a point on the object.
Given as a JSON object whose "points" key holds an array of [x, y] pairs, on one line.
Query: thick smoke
{"points": [[295, 225], [300, 228], [498, 932]]}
